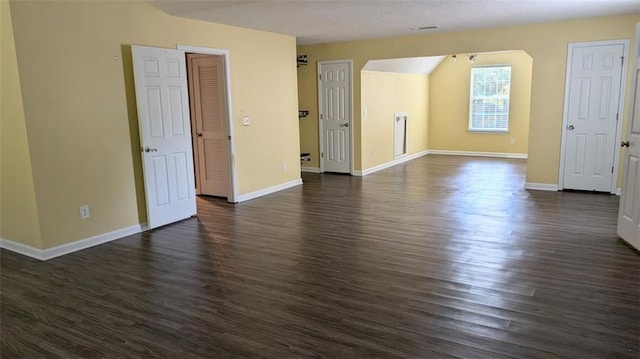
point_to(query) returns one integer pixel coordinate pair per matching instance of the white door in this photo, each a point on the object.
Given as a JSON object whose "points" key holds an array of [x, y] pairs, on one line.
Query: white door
{"points": [[165, 134], [209, 111], [591, 116], [400, 134], [629, 213], [335, 116]]}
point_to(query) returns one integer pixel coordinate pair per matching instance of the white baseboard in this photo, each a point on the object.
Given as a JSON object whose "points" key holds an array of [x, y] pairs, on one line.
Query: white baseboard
{"points": [[20, 248], [57, 251], [541, 186], [479, 154], [269, 190], [310, 169], [390, 163]]}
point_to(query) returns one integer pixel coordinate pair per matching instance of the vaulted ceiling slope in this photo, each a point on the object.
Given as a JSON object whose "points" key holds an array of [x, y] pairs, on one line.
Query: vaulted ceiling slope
{"points": [[410, 65], [322, 21]]}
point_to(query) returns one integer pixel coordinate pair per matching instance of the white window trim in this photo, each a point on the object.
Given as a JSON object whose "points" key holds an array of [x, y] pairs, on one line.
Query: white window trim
{"points": [[470, 129]]}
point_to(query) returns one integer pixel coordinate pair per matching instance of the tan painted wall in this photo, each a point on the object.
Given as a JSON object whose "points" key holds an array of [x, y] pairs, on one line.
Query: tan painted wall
{"points": [[545, 43], [80, 106], [18, 210], [449, 105], [383, 94]]}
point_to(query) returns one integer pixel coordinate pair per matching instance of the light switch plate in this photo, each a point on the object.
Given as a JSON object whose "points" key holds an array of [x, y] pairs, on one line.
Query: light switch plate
{"points": [[246, 121]]}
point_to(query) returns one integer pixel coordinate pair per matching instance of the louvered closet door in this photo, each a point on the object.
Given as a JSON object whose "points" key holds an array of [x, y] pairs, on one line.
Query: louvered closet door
{"points": [[210, 112]]}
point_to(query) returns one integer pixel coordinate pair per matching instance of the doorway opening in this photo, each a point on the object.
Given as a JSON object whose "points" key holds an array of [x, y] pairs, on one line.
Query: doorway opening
{"points": [[592, 119], [336, 112], [210, 104], [449, 111], [400, 134]]}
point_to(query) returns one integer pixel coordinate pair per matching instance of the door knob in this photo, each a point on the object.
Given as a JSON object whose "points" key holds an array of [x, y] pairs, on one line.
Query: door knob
{"points": [[148, 149], [571, 127], [199, 134], [624, 144], [345, 125]]}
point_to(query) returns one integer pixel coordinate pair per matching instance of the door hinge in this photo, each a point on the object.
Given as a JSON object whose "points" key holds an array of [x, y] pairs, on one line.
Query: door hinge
{"points": [[320, 77], [321, 116], [229, 137], [611, 169], [322, 154], [622, 59]]}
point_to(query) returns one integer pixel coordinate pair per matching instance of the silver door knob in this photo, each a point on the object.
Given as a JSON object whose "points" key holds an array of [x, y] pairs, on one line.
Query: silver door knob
{"points": [[624, 144], [571, 127], [148, 149]]}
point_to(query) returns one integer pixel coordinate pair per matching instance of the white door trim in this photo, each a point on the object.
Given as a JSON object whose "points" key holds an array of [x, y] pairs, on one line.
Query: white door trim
{"points": [[565, 112], [320, 128], [227, 68]]}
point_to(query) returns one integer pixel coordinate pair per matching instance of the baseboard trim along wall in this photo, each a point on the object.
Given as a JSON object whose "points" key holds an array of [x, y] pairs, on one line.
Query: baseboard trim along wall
{"points": [[46, 254], [20, 248], [391, 163], [479, 154], [269, 190], [49, 253], [541, 186], [310, 169]]}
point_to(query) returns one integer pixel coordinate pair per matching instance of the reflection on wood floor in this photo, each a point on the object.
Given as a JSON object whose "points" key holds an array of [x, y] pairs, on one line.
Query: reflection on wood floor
{"points": [[436, 258]]}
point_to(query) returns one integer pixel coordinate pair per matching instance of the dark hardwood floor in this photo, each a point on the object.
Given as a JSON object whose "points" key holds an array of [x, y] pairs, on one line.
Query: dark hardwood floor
{"points": [[440, 257]]}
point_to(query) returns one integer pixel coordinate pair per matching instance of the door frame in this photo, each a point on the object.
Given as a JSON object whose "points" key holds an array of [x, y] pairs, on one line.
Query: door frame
{"points": [[232, 197], [565, 112], [320, 127]]}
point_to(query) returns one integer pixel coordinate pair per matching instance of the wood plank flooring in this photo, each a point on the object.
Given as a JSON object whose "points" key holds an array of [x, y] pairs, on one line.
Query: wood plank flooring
{"points": [[441, 257]]}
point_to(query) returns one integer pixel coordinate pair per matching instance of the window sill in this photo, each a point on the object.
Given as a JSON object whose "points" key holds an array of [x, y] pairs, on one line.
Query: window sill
{"points": [[490, 132]]}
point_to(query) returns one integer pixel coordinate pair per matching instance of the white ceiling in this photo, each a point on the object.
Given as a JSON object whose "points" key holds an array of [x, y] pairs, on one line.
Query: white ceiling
{"points": [[409, 65], [321, 21]]}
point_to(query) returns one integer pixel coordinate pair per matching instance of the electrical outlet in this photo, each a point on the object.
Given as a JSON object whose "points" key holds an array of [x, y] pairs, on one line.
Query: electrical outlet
{"points": [[246, 121], [84, 212], [284, 166], [512, 141]]}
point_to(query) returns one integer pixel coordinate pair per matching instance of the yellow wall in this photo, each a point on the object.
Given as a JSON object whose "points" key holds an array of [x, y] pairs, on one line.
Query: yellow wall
{"points": [[545, 43], [449, 105], [80, 106], [18, 211], [383, 94]]}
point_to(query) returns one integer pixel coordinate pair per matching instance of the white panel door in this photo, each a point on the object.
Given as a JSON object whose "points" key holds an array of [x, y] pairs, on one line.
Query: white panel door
{"points": [[629, 213], [335, 116], [592, 115], [165, 134]]}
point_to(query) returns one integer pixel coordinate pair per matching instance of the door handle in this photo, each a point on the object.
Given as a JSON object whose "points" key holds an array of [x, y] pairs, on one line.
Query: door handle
{"points": [[148, 149], [199, 134], [345, 125], [624, 144], [571, 127]]}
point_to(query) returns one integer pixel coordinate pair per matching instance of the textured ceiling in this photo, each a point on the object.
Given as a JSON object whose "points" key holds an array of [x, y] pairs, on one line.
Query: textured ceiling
{"points": [[321, 21]]}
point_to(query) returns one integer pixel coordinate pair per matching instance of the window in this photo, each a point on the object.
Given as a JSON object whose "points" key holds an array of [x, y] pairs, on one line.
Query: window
{"points": [[489, 107]]}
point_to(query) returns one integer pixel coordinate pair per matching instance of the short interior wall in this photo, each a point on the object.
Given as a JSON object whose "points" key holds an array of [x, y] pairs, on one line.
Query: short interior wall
{"points": [[386, 93]]}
